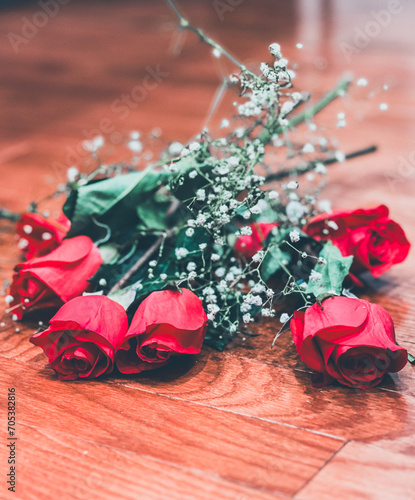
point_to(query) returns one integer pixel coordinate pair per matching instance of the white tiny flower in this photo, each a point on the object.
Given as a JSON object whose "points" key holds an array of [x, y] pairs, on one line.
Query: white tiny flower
{"points": [[193, 174], [247, 318], [273, 195], [220, 272], [258, 256], [9, 299], [258, 288], [27, 229], [152, 263], [134, 135], [71, 174], [308, 148], [292, 185], [225, 123], [47, 236], [194, 146], [200, 219], [216, 53], [190, 232], [191, 266], [287, 107], [340, 156], [275, 49], [294, 236], [192, 275], [103, 282], [321, 168], [223, 208], [270, 292], [185, 152], [163, 276], [233, 161], [175, 148], [294, 211], [256, 209], [284, 318], [383, 106], [135, 146], [215, 257], [203, 246], [247, 215], [181, 253], [332, 225], [362, 82], [245, 307], [246, 231]]}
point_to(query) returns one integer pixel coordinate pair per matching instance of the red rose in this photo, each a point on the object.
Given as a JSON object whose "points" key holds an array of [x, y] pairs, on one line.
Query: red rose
{"points": [[248, 245], [167, 323], [39, 236], [375, 241], [82, 337], [55, 278], [349, 340]]}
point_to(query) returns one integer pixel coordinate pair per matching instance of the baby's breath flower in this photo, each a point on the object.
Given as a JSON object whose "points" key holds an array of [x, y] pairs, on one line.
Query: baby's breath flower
{"points": [[181, 253], [295, 236], [284, 318]]}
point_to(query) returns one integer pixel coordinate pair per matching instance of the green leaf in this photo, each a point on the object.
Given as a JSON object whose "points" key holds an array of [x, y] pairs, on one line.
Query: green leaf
{"points": [[332, 272], [126, 296], [114, 202], [272, 262]]}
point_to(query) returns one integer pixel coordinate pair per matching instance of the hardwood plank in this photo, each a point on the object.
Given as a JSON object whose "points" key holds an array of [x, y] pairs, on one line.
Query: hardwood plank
{"points": [[363, 473], [248, 450], [97, 472]]}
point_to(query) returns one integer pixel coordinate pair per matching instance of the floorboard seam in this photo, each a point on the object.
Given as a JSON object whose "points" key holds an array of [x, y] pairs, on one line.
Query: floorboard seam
{"points": [[296, 495], [218, 408]]}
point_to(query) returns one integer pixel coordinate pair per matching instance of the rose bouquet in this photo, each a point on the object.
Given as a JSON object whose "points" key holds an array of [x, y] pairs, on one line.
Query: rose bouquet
{"points": [[149, 264]]}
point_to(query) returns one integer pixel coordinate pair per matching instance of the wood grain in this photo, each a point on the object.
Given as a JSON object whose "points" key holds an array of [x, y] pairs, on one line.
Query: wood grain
{"points": [[363, 473], [96, 472], [247, 423], [248, 450]]}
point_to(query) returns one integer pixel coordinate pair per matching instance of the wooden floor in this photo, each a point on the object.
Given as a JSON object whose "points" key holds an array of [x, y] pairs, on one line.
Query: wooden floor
{"points": [[247, 423]]}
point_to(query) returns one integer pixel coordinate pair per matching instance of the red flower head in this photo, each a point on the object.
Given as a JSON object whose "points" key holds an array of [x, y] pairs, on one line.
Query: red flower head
{"points": [[349, 340], [375, 241], [167, 323], [55, 278], [248, 245], [39, 236], [82, 337]]}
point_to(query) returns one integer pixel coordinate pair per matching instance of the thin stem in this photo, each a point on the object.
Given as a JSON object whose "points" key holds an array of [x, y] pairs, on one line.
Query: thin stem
{"points": [[184, 24], [312, 165], [140, 262], [5, 214], [308, 114]]}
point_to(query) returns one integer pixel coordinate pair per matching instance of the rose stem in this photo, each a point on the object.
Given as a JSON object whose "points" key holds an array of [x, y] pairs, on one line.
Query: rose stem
{"points": [[312, 165], [142, 260]]}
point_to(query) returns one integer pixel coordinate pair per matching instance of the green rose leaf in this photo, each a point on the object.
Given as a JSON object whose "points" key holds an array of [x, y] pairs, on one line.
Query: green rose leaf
{"points": [[330, 277], [273, 261], [114, 202]]}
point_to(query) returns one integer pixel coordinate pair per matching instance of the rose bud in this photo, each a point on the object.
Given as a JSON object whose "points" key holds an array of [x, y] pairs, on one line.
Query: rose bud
{"points": [[82, 337], [247, 245], [56, 278], [167, 323], [38, 236], [375, 241], [349, 340]]}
